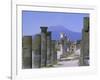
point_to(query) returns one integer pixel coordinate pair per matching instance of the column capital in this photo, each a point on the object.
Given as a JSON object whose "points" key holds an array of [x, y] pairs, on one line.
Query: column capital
{"points": [[43, 29]]}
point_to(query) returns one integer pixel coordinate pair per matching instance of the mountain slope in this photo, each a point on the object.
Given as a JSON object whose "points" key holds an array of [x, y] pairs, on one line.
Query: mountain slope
{"points": [[56, 30]]}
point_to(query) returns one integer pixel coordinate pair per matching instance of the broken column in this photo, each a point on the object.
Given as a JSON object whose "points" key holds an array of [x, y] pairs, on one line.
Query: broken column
{"points": [[84, 57], [43, 46], [53, 53], [36, 51], [27, 52], [48, 49]]}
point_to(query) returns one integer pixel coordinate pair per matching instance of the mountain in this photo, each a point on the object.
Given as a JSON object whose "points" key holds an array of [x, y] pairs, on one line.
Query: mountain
{"points": [[56, 30]]}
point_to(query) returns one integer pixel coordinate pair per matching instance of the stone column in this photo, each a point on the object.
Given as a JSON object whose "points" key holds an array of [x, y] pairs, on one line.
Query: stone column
{"points": [[53, 53], [43, 46], [36, 51], [27, 52], [48, 49], [84, 57], [62, 43]]}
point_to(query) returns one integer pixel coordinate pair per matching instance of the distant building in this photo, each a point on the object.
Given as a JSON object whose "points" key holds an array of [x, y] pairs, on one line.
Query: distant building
{"points": [[63, 45], [73, 47]]}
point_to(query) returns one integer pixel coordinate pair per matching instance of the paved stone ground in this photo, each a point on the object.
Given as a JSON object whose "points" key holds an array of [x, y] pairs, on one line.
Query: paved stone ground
{"points": [[70, 61]]}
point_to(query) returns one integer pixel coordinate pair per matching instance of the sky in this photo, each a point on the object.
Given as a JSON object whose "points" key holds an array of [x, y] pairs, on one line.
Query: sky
{"points": [[32, 20]]}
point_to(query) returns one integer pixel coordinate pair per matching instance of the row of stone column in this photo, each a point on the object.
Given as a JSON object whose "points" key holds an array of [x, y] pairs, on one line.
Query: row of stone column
{"points": [[48, 52], [42, 50]]}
